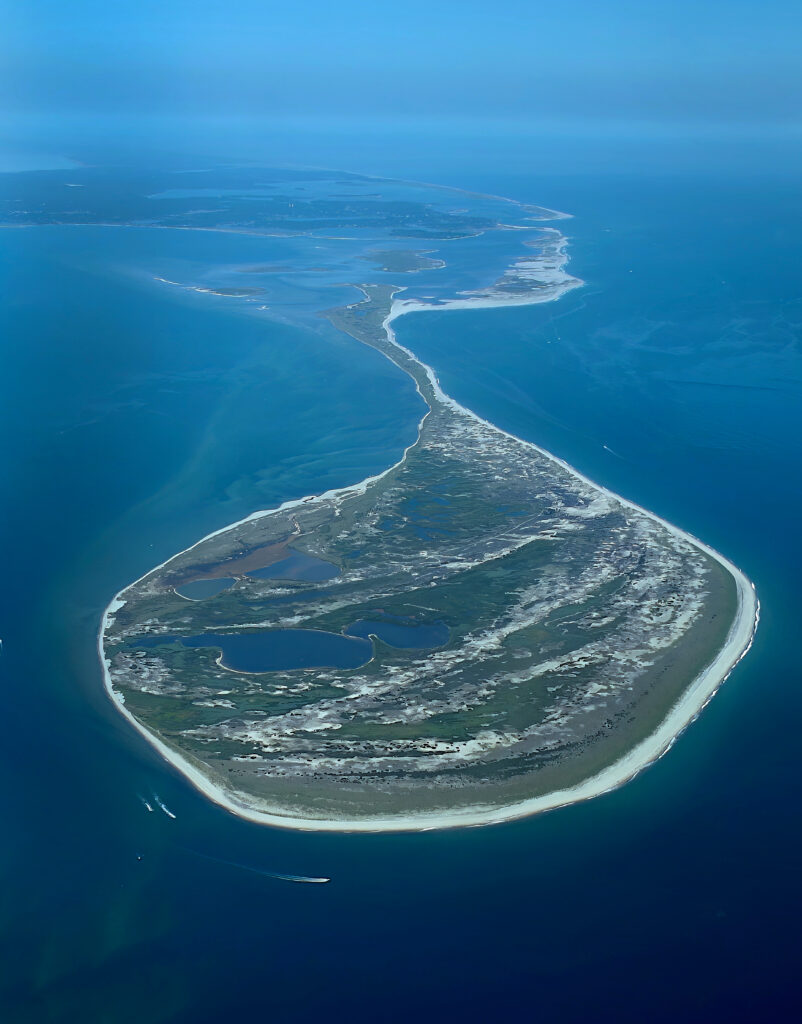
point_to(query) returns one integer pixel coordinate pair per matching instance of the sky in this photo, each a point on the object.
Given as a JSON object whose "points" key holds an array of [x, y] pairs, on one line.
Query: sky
{"points": [[711, 62]]}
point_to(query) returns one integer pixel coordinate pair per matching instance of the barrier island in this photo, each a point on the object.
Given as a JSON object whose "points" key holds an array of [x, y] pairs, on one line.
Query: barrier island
{"points": [[477, 633]]}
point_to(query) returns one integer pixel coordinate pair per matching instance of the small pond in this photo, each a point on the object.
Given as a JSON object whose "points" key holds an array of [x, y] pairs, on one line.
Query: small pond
{"points": [[298, 566], [403, 635], [196, 590], [277, 650]]}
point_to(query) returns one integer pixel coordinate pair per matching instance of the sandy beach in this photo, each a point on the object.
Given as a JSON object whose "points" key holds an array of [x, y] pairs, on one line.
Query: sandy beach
{"points": [[647, 751]]}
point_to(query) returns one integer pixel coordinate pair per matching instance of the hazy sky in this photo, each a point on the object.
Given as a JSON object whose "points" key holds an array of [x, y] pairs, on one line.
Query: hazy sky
{"points": [[712, 61]]}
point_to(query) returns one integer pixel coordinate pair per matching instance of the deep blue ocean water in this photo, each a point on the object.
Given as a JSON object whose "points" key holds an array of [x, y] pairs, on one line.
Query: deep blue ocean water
{"points": [[135, 420]]}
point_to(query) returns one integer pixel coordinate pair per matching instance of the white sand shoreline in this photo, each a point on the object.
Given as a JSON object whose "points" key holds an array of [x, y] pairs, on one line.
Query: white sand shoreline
{"points": [[694, 699]]}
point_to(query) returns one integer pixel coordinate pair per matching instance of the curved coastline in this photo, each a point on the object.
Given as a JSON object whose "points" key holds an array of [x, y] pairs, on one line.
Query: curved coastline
{"points": [[695, 697]]}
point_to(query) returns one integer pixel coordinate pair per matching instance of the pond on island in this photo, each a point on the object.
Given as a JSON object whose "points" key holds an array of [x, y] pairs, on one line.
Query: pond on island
{"points": [[277, 650], [196, 590], [404, 635], [298, 566]]}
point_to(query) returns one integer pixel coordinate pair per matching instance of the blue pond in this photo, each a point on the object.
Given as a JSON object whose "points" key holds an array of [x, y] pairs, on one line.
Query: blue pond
{"points": [[401, 635], [196, 590], [275, 650], [298, 566]]}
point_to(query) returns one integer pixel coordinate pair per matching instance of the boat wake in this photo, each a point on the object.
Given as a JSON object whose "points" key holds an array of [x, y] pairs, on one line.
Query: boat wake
{"points": [[280, 875], [163, 807]]}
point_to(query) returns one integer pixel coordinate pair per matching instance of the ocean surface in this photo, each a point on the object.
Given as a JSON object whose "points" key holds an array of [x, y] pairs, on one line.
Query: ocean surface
{"points": [[136, 418]]}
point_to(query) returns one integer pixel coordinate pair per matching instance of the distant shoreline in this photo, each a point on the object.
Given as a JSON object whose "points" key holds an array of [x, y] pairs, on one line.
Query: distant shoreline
{"points": [[695, 697]]}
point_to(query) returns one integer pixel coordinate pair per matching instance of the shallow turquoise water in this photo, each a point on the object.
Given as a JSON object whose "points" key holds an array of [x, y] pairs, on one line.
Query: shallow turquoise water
{"points": [[136, 419]]}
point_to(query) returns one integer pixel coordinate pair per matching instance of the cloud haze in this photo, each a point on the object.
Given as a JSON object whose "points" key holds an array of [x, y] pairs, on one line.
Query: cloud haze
{"points": [[733, 62]]}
